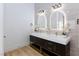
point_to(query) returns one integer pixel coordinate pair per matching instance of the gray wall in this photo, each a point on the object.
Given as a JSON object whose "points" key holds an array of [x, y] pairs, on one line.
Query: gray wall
{"points": [[1, 29], [72, 13], [17, 20]]}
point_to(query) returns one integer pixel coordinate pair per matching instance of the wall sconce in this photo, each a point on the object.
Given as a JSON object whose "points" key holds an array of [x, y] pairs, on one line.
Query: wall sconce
{"points": [[41, 12]]}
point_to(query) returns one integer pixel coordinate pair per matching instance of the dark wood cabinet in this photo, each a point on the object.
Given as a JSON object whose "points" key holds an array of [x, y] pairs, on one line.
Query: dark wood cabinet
{"points": [[37, 41], [52, 47]]}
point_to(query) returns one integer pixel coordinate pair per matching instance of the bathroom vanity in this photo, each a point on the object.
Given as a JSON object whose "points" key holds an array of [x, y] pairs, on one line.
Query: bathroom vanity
{"points": [[51, 37], [51, 44]]}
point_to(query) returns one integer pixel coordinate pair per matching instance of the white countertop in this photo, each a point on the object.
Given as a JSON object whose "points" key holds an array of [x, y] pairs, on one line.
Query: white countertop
{"points": [[52, 37]]}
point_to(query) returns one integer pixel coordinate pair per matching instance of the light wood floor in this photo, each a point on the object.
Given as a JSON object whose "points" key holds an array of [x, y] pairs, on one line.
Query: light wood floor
{"points": [[25, 51]]}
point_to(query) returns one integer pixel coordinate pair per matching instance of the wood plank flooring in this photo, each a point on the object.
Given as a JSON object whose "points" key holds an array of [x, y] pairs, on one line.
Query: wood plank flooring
{"points": [[25, 51]]}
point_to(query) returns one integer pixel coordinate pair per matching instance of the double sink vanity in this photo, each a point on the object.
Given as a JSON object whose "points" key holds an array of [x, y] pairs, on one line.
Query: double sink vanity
{"points": [[51, 35], [52, 44]]}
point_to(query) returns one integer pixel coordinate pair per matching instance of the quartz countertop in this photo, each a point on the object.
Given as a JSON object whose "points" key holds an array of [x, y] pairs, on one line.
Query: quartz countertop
{"points": [[61, 39]]}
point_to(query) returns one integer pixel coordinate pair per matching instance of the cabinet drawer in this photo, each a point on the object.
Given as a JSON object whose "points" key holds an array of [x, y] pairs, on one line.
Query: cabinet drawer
{"points": [[63, 50], [36, 40], [33, 39], [60, 49]]}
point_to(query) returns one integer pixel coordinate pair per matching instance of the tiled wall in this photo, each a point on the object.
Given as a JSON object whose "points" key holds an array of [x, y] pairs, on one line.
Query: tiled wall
{"points": [[75, 41]]}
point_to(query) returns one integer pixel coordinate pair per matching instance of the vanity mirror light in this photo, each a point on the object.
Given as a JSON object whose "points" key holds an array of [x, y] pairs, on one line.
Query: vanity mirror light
{"points": [[56, 5]]}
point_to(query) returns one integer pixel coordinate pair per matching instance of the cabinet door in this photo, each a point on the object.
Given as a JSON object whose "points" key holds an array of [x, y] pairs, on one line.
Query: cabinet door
{"points": [[50, 46], [60, 50]]}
